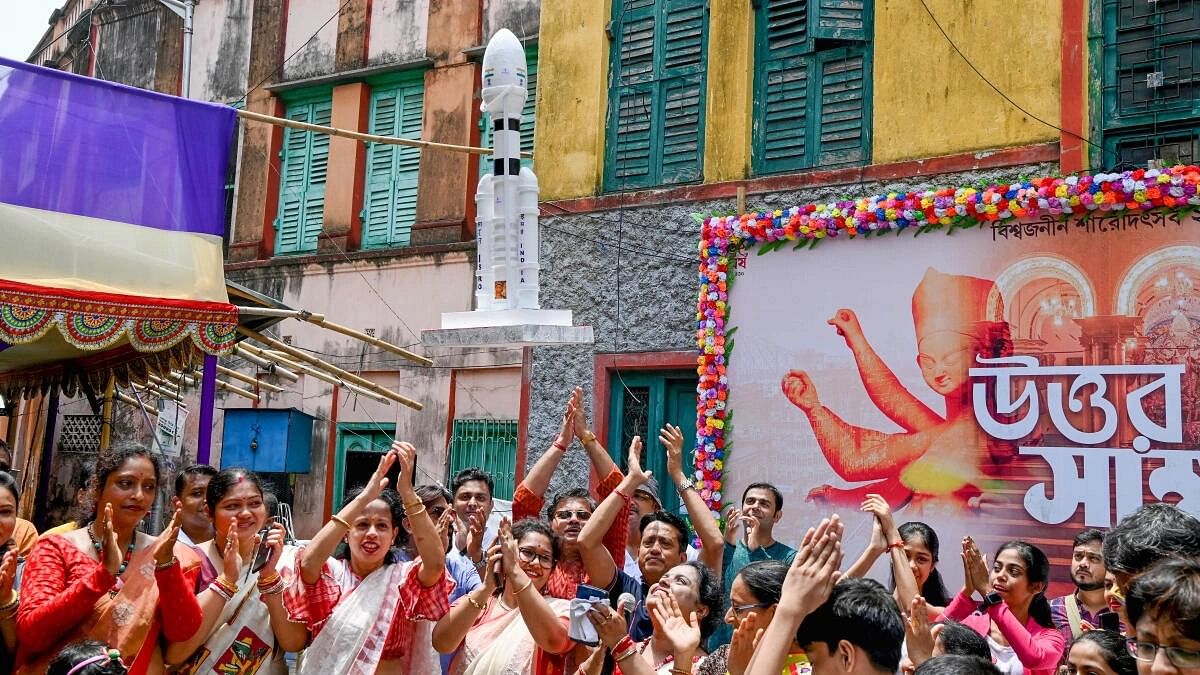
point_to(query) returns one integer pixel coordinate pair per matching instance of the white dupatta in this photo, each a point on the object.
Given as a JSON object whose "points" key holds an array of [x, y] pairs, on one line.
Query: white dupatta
{"points": [[353, 638]]}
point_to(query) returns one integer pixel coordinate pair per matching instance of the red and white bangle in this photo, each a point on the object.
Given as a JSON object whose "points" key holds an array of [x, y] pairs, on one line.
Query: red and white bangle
{"points": [[895, 544], [559, 444]]}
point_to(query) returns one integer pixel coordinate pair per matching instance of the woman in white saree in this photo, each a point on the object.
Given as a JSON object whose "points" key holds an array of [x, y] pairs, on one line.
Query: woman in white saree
{"points": [[368, 612], [245, 627], [506, 626]]}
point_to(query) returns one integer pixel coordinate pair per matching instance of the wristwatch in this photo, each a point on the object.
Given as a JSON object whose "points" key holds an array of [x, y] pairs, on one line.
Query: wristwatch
{"points": [[687, 484], [992, 598]]}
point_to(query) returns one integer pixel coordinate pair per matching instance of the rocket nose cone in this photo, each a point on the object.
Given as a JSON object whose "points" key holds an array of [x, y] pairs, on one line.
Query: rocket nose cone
{"points": [[503, 46]]}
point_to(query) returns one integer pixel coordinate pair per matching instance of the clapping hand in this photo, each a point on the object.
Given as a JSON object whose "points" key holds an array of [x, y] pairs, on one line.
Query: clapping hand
{"points": [[917, 634], [164, 544], [975, 570], [814, 570], [745, 641], [681, 632], [110, 551], [671, 438], [635, 472], [8, 575], [379, 479]]}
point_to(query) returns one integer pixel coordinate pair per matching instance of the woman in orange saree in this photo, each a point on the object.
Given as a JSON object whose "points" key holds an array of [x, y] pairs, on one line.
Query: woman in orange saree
{"points": [[107, 581]]}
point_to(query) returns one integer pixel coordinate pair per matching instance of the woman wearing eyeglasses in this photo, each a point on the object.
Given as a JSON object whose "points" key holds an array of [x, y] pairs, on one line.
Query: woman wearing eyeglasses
{"points": [[752, 600], [367, 611], [507, 625]]}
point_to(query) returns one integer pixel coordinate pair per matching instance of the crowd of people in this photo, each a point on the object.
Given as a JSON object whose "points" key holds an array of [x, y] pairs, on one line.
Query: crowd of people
{"points": [[409, 578]]}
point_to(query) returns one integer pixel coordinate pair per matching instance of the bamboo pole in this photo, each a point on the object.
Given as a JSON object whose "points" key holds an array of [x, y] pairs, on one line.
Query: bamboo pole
{"points": [[267, 364], [374, 341], [237, 390], [126, 398], [325, 377], [230, 372], [330, 368], [153, 390], [165, 385], [106, 413], [359, 136]]}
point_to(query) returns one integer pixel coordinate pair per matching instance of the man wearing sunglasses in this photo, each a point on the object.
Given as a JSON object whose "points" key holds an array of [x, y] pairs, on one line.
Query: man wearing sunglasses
{"points": [[1164, 607]]}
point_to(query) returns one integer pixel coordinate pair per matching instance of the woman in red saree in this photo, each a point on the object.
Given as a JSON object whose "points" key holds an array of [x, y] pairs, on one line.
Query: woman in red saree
{"points": [[107, 581]]}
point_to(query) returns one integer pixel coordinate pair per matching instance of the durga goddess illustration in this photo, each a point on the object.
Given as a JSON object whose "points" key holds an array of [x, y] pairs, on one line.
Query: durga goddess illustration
{"points": [[939, 462]]}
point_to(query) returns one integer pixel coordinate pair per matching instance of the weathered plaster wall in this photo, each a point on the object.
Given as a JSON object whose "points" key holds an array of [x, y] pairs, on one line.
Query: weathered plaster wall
{"points": [[141, 45], [519, 16], [730, 91], [489, 393], [570, 124], [928, 102], [398, 29], [655, 307], [316, 56], [363, 294], [221, 49]]}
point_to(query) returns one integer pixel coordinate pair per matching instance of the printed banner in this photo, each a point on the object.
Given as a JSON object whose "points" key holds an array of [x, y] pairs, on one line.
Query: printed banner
{"points": [[1023, 380]]}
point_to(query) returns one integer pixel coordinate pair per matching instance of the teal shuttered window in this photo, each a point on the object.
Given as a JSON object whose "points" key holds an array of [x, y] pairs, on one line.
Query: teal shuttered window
{"points": [[527, 117], [390, 197], [489, 444], [1150, 93], [304, 163], [657, 82], [812, 69]]}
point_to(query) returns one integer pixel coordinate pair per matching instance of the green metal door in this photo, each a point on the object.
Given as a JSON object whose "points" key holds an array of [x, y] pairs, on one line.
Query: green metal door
{"points": [[358, 448], [640, 404], [490, 445]]}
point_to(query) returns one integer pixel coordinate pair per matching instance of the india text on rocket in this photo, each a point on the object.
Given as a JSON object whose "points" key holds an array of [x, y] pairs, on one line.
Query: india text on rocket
{"points": [[506, 230]]}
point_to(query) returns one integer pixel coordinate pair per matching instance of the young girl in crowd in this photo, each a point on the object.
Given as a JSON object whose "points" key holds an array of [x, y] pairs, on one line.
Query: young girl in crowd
{"points": [[106, 580], [508, 625], [245, 623], [87, 657], [1100, 652], [367, 611], [752, 601], [685, 607], [1014, 615], [10, 570]]}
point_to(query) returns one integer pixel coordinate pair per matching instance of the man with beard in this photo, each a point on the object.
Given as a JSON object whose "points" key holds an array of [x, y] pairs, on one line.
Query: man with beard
{"points": [[1073, 614]]}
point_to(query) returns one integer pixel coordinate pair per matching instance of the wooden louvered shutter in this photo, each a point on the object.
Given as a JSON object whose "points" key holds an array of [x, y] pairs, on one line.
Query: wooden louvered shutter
{"points": [[681, 91], [629, 163], [408, 162], [838, 20], [318, 170], [304, 164], [842, 125], [379, 196], [781, 87]]}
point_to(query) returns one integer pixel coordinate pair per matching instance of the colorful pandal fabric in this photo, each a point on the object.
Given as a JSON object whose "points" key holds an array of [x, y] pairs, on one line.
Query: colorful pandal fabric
{"points": [[96, 321]]}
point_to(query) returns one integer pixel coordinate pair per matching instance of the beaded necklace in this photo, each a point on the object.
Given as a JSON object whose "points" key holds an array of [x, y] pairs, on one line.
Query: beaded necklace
{"points": [[100, 547]]}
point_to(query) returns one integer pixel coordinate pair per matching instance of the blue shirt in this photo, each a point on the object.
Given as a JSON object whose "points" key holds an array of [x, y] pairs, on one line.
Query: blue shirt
{"points": [[733, 559]]}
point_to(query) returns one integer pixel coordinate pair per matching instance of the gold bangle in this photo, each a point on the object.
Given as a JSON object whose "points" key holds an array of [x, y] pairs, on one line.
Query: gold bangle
{"points": [[158, 567], [479, 606], [523, 588], [267, 581], [335, 518], [587, 437], [628, 653], [413, 505], [414, 513]]}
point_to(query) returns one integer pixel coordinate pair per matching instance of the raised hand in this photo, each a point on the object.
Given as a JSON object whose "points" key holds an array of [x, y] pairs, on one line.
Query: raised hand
{"points": [[975, 570], [745, 640], [406, 454], [578, 418], [814, 570], [379, 480], [508, 549], [671, 438], [111, 554], [8, 575], [798, 387], [445, 526], [681, 632], [878, 506], [473, 535], [635, 472], [231, 555], [487, 575], [917, 634], [610, 625], [164, 544], [733, 525], [275, 538], [846, 323]]}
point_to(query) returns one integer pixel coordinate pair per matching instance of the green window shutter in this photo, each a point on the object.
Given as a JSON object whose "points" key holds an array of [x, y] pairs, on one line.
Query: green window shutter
{"points": [[842, 124], [304, 164], [780, 129], [782, 28], [838, 20], [390, 199], [656, 90], [490, 445]]}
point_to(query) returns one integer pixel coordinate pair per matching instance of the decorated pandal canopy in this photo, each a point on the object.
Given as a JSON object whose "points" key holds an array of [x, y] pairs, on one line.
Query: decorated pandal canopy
{"points": [[111, 217]]}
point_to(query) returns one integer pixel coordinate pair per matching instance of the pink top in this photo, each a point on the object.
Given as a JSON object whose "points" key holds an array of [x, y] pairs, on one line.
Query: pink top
{"points": [[1038, 648]]}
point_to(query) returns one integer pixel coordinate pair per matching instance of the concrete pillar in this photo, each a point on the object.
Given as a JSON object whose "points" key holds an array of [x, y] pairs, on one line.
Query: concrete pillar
{"points": [[342, 229], [445, 203], [253, 235]]}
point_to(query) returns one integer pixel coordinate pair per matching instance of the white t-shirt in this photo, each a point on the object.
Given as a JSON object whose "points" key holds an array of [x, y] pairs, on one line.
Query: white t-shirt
{"points": [[1005, 658]]}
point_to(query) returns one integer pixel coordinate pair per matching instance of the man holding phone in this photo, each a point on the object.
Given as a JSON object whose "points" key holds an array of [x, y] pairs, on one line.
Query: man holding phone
{"points": [[1083, 608]]}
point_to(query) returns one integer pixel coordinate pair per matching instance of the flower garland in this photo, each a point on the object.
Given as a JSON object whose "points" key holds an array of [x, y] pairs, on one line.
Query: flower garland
{"points": [[950, 208]]}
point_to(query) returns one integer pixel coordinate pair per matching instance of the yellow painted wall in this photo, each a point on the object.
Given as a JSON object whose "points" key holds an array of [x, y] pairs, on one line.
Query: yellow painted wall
{"points": [[573, 64], [730, 93], [928, 102]]}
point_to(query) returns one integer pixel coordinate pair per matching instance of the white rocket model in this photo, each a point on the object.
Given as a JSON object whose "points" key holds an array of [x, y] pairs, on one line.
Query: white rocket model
{"points": [[506, 201]]}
